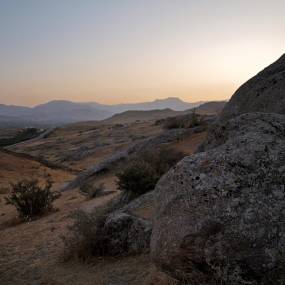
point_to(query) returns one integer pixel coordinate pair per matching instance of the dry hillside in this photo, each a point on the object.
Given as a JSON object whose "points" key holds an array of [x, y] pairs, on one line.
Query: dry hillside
{"points": [[80, 145], [32, 253]]}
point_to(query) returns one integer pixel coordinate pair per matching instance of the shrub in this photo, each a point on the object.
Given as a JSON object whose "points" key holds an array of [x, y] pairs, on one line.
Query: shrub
{"points": [[23, 135], [161, 159], [144, 170], [137, 178], [86, 236], [185, 121], [4, 190], [92, 191], [30, 199]]}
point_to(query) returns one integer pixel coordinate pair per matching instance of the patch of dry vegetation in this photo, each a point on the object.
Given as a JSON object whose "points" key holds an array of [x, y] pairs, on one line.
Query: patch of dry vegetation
{"points": [[93, 190], [144, 169], [30, 199], [190, 120], [86, 237], [20, 136]]}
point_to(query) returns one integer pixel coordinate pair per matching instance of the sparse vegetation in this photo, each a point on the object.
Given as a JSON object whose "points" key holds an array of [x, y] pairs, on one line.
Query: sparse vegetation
{"points": [[86, 236], [23, 135], [144, 170], [4, 190], [92, 191], [30, 199], [185, 121], [137, 178]]}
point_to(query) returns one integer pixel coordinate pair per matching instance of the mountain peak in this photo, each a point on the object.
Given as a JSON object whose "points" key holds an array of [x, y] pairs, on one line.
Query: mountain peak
{"points": [[170, 99]]}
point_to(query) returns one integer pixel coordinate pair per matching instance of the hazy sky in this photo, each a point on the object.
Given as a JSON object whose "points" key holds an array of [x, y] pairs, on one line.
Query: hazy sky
{"points": [[134, 50]]}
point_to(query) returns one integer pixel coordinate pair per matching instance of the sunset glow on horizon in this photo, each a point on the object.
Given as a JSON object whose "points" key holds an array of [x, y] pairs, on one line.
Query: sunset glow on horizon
{"points": [[133, 51]]}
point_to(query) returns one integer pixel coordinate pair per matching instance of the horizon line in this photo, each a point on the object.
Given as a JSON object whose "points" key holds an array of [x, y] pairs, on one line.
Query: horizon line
{"points": [[115, 104]]}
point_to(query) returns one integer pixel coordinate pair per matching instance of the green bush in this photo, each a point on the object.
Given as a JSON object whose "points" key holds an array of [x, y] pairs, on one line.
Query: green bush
{"points": [[144, 170], [30, 199]]}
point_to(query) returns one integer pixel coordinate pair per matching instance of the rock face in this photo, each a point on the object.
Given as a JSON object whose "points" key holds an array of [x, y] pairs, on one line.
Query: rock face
{"points": [[220, 213], [263, 93]]}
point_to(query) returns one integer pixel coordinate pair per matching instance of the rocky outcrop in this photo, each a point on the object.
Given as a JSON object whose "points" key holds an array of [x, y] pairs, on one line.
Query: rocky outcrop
{"points": [[263, 93], [220, 213]]}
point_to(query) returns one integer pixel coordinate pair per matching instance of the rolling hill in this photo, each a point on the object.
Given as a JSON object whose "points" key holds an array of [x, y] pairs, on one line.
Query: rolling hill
{"points": [[132, 116]]}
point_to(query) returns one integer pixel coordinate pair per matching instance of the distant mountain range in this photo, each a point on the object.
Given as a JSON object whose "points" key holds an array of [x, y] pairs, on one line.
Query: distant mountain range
{"points": [[63, 112]]}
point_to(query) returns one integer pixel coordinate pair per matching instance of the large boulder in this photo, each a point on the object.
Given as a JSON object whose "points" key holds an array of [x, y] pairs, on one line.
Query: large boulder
{"points": [[126, 229], [263, 93], [220, 213]]}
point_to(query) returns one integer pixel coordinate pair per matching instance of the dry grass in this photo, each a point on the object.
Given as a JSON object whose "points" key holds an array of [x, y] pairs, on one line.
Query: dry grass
{"points": [[14, 168], [189, 145], [101, 139]]}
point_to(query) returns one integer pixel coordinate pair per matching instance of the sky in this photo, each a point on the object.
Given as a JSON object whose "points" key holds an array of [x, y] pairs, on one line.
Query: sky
{"points": [[119, 51]]}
